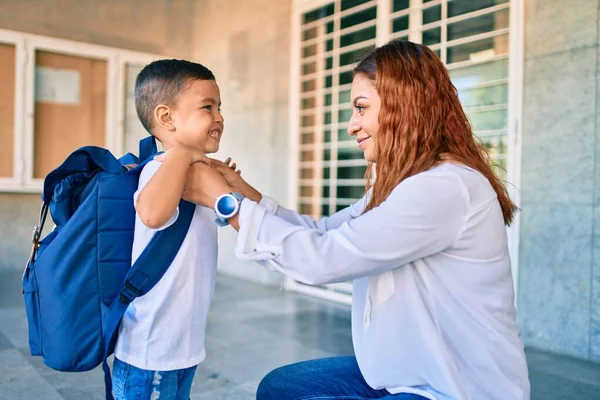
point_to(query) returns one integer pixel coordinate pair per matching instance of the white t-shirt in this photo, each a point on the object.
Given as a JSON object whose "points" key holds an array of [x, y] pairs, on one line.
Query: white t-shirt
{"points": [[433, 303], [164, 329]]}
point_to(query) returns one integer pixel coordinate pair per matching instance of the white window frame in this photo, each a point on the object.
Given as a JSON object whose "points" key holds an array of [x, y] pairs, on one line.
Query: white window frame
{"points": [[383, 22], [14, 183], [26, 45]]}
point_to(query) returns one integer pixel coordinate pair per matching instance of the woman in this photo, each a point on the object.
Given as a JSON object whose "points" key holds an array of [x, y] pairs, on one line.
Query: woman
{"points": [[432, 311]]}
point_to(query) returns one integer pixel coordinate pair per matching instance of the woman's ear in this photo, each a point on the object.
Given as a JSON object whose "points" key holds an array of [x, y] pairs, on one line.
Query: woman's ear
{"points": [[163, 118]]}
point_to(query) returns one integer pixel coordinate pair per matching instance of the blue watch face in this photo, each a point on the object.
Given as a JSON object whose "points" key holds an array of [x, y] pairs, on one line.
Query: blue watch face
{"points": [[227, 205]]}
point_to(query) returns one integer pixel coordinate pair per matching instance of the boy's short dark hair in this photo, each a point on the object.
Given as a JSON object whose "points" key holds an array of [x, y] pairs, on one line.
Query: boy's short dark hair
{"points": [[161, 81]]}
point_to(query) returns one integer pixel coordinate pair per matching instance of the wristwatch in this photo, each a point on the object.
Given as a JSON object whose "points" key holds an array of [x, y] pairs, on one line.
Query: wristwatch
{"points": [[227, 206]]}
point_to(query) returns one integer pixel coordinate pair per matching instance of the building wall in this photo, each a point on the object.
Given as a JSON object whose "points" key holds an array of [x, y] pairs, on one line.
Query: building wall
{"points": [[154, 26], [559, 286], [246, 45]]}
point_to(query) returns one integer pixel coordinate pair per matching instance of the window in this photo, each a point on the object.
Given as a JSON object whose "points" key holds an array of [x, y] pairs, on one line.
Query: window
{"points": [[8, 57], [60, 95], [70, 101], [471, 37], [334, 38]]}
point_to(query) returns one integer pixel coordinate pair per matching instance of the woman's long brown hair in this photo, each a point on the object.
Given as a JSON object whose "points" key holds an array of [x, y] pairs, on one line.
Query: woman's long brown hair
{"points": [[421, 121]]}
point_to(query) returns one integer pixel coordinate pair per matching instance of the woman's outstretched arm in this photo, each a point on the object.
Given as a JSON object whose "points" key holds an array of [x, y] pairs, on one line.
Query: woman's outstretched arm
{"points": [[424, 215]]}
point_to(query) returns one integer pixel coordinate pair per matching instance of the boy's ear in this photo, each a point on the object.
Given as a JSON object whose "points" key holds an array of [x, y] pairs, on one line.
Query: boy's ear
{"points": [[162, 115]]}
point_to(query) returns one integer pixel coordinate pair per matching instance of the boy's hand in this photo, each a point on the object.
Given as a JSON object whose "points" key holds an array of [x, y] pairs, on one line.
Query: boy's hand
{"points": [[204, 185], [233, 166], [234, 179]]}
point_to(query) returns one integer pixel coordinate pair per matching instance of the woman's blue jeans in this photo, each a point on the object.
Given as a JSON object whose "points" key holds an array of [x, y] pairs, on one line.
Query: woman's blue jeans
{"points": [[327, 378]]}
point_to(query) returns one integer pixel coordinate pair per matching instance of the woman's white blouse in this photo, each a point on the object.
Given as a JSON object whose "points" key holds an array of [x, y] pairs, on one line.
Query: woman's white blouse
{"points": [[433, 303]]}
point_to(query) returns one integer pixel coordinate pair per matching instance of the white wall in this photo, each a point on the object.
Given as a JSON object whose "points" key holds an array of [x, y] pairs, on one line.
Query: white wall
{"points": [[246, 45]]}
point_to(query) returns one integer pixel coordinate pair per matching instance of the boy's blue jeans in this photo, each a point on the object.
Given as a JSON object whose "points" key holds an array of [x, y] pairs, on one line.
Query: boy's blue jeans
{"points": [[327, 378], [131, 383]]}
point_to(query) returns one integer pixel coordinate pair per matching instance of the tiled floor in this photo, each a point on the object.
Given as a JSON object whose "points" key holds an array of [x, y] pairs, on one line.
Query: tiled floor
{"points": [[252, 329]]}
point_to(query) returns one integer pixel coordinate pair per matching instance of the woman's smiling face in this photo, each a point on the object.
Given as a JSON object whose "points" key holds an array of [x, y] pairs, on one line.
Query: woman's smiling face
{"points": [[364, 123]]}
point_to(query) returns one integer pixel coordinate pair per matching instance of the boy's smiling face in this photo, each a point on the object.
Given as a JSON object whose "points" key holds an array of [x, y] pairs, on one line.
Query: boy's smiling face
{"points": [[196, 116]]}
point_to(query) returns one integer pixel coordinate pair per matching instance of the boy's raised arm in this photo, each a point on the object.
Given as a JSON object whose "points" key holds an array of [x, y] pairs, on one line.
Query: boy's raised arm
{"points": [[159, 198]]}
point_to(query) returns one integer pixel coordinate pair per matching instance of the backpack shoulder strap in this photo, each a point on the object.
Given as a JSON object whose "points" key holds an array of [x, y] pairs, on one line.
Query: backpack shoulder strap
{"points": [[145, 272], [147, 147]]}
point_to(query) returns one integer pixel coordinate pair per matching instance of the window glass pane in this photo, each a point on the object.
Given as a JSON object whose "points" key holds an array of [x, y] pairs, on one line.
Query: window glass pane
{"points": [[7, 109], [350, 192], [358, 36], [318, 14], [479, 50], [345, 77], [328, 99], [485, 96], [307, 155], [345, 96], [309, 68], [432, 14], [307, 173], [359, 17], [309, 34], [329, 45], [458, 7], [497, 145], [307, 138], [306, 191], [400, 24], [308, 102], [67, 119], [351, 172], [400, 5], [307, 120], [355, 56], [304, 208], [432, 36], [309, 51], [309, 86], [479, 73], [343, 135], [346, 4], [487, 120], [344, 115], [476, 26], [352, 153]]}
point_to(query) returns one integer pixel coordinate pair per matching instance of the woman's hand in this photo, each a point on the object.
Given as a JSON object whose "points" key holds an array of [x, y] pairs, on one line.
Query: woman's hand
{"points": [[204, 184], [233, 178], [194, 154]]}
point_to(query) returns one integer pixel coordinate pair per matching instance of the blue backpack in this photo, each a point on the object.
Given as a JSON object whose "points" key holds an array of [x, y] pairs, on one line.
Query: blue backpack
{"points": [[79, 280]]}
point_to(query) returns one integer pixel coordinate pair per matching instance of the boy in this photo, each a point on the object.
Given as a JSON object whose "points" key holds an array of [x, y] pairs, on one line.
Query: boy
{"points": [[161, 337]]}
